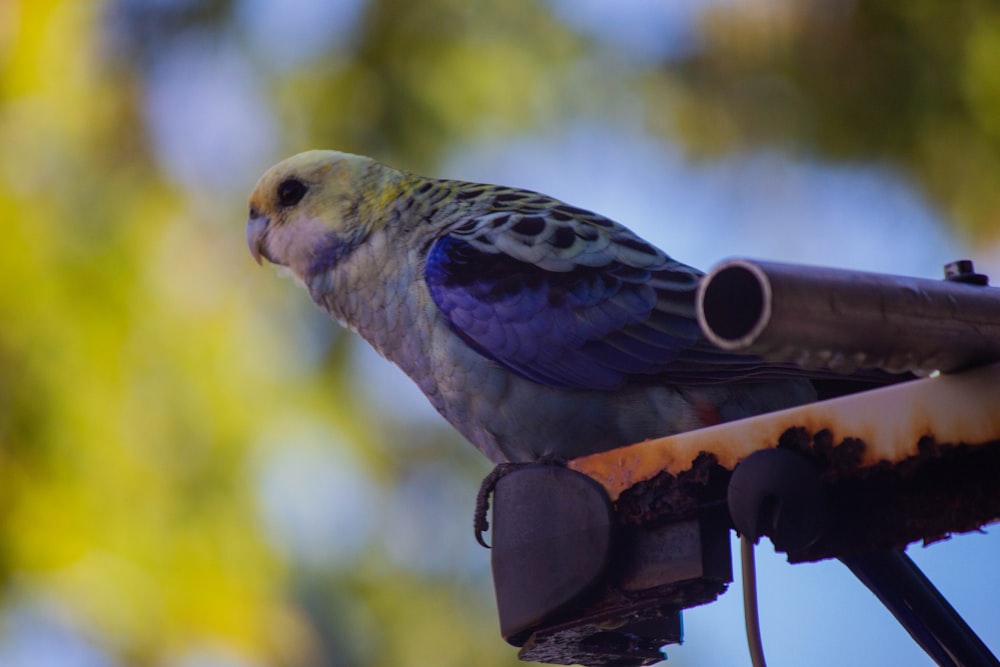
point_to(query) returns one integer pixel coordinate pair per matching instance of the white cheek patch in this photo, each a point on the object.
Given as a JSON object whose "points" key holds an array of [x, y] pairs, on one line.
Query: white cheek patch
{"points": [[294, 244]]}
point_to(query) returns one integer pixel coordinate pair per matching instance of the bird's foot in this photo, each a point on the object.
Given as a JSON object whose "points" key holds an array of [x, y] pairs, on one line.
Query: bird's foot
{"points": [[501, 470]]}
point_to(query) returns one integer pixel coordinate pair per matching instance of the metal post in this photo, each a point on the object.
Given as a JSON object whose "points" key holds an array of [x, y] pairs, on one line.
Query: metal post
{"points": [[920, 608]]}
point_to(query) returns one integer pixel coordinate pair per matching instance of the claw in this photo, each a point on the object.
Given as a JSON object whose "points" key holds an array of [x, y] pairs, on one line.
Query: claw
{"points": [[481, 522]]}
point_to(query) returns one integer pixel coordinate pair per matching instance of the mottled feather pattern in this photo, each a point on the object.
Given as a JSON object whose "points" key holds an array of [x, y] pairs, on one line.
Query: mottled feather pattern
{"points": [[561, 295], [537, 229], [568, 298]]}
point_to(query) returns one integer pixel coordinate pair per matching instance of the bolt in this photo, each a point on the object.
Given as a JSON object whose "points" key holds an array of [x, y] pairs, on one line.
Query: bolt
{"points": [[963, 271]]}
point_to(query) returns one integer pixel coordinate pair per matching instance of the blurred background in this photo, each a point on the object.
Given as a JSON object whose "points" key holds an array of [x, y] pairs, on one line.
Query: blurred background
{"points": [[199, 469]]}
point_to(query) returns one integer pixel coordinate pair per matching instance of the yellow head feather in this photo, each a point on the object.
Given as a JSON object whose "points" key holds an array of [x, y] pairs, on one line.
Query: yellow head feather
{"points": [[299, 202]]}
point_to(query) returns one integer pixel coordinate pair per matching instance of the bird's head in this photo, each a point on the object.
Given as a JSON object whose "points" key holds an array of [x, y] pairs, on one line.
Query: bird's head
{"points": [[311, 208]]}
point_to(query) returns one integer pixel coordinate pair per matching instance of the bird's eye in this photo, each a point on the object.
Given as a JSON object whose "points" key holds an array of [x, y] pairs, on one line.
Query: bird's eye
{"points": [[291, 191]]}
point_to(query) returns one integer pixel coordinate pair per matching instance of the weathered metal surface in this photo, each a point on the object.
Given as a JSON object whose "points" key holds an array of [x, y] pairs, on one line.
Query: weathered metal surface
{"points": [[891, 422], [942, 489], [817, 316], [607, 641], [916, 461], [625, 620]]}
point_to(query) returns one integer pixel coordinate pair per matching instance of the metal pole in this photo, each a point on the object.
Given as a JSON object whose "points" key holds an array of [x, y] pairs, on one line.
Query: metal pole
{"points": [[845, 320], [920, 608]]}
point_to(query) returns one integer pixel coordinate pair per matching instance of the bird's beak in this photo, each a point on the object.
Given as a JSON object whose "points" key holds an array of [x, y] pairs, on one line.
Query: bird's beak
{"points": [[256, 231]]}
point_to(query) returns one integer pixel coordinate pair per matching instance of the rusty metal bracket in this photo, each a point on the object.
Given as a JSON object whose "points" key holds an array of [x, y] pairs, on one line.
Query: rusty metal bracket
{"points": [[914, 461], [577, 584]]}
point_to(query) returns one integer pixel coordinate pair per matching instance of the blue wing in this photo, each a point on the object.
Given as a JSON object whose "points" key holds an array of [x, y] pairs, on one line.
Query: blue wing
{"points": [[567, 298]]}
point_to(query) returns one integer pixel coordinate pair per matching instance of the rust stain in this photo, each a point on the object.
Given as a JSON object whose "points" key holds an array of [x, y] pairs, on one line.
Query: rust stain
{"points": [[891, 422]]}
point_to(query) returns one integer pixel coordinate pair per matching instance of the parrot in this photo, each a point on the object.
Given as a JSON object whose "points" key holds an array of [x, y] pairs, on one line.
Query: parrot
{"points": [[537, 329]]}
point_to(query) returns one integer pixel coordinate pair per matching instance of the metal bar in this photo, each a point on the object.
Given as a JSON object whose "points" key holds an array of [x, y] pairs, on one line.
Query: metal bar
{"points": [[920, 608], [912, 461], [846, 320], [891, 421]]}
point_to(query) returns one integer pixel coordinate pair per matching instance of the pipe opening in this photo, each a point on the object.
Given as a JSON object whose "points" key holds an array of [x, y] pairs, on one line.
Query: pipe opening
{"points": [[733, 303]]}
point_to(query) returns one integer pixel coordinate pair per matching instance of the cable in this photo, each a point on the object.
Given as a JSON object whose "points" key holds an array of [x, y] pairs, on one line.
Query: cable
{"points": [[750, 602]]}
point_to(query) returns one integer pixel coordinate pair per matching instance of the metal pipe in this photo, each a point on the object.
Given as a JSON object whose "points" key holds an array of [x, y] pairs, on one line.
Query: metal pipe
{"points": [[846, 320]]}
